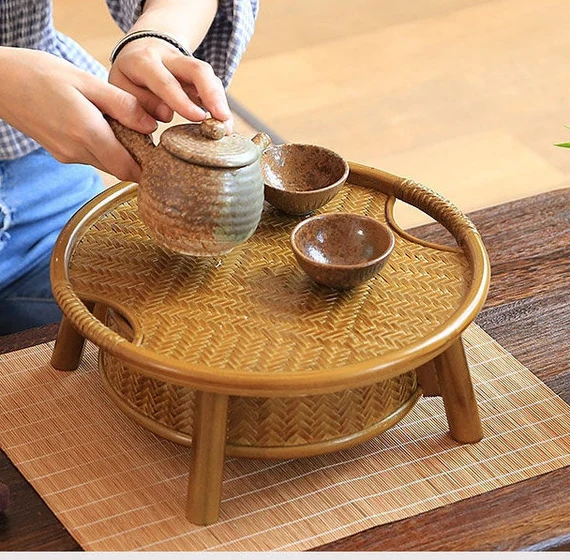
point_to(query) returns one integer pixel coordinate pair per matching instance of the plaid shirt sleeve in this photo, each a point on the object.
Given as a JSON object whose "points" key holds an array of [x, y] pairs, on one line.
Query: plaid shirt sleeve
{"points": [[229, 36], [125, 12], [29, 24]]}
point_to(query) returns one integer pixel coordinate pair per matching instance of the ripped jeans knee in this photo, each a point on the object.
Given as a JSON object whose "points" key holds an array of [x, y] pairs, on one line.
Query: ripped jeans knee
{"points": [[5, 220]]}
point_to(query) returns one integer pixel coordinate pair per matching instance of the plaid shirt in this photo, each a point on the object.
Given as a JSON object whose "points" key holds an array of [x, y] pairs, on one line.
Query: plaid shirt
{"points": [[29, 24]]}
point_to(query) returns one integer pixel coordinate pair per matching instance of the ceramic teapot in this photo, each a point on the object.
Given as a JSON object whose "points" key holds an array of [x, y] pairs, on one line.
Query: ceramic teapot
{"points": [[201, 190]]}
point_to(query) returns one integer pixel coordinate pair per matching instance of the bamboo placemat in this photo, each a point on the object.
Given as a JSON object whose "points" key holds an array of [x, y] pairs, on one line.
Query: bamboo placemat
{"points": [[116, 486]]}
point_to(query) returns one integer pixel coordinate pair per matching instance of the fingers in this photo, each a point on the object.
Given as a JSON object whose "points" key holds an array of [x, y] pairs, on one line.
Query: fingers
{"points": [[166, 86], [152, 104], [172, 78], [111, 155], [114, 160], [99, 145], [192, 93], [121, 105], [72, 126], [208, 86], [120, 164]]}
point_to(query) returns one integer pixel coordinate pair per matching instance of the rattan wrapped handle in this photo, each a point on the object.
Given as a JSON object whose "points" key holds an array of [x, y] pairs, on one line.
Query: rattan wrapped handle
{"points": [[418, 195], [436, 206], [425, 199], [83, 320]]}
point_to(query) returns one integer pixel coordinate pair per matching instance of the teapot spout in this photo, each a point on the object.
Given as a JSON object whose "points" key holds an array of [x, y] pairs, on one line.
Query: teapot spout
{"points": [[137, 144], [262, 141]]}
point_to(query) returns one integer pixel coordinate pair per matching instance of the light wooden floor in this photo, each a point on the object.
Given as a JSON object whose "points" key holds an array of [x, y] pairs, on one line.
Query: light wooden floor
{"points": [[467, 96]]}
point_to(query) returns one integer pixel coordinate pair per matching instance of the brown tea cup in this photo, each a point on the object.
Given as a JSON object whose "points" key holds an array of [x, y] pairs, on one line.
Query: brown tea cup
{"points": [[341, 250], [300, 178]]}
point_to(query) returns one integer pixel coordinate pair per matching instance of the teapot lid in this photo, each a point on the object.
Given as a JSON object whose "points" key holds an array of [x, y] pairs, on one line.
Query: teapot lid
{"points": [[207, 144]]}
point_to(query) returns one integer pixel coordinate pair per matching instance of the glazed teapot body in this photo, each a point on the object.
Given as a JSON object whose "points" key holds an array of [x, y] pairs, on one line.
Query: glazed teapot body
{"points": [[200, 192]]}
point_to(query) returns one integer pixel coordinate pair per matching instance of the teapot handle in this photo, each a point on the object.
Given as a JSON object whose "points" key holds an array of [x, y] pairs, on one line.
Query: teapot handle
{"points": [[137, 144]]}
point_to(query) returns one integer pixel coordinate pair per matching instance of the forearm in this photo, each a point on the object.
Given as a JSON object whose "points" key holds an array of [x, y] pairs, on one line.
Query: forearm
{"points": [[186, 20], [6, 75]]}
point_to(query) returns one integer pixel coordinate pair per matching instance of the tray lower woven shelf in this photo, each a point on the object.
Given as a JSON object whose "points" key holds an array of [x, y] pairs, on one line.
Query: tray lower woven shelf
{"points": [[265, 427]]}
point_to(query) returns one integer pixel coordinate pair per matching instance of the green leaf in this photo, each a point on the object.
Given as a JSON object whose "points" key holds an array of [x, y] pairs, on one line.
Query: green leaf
{"points": [[563, 145]]}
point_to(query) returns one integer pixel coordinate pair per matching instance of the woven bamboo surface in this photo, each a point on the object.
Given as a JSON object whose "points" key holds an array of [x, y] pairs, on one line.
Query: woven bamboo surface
{"points": [[116, 486]]}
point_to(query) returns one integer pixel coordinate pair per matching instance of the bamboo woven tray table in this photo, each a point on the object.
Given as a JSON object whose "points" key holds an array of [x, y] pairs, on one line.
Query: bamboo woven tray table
{"points": [[244, 355]]}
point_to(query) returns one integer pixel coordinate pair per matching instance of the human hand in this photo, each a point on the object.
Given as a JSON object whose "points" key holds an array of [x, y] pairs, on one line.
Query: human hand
{"points": [[165, 81], [61, 107]]}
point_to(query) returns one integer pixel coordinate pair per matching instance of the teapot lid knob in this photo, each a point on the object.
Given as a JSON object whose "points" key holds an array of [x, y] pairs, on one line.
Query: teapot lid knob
{"points": [[213, 129]]}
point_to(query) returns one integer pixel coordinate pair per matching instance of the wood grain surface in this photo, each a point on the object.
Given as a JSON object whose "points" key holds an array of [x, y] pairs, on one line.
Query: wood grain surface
{"points": [[527, 312]]}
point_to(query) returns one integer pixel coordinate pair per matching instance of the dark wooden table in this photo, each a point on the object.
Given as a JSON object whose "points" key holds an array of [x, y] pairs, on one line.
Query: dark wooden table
{"points": [[527, 312]]}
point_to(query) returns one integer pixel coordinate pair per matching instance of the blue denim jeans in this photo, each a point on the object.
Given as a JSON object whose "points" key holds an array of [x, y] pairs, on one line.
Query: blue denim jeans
{"points": [[38, 195]]}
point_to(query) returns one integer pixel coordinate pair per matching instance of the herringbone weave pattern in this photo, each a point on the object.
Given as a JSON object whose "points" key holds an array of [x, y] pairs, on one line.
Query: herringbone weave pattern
{"points": [[254, 309]]}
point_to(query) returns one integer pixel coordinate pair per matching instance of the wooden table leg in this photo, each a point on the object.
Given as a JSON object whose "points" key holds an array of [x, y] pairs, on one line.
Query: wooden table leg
{"points": [[69, 345], [427, 379], [458, 395], [207, 458]]}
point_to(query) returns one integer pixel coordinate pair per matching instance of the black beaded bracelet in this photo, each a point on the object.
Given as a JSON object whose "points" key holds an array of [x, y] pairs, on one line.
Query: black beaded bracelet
{"points": [[143, 34]]}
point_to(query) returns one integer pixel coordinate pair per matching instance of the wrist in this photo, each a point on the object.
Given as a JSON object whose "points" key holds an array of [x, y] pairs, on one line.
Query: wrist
{"points": [[145, 34]]}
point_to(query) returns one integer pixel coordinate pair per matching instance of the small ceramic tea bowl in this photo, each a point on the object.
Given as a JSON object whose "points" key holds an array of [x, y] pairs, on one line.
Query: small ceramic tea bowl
{"points": [[341, 250], [299, 178]]}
